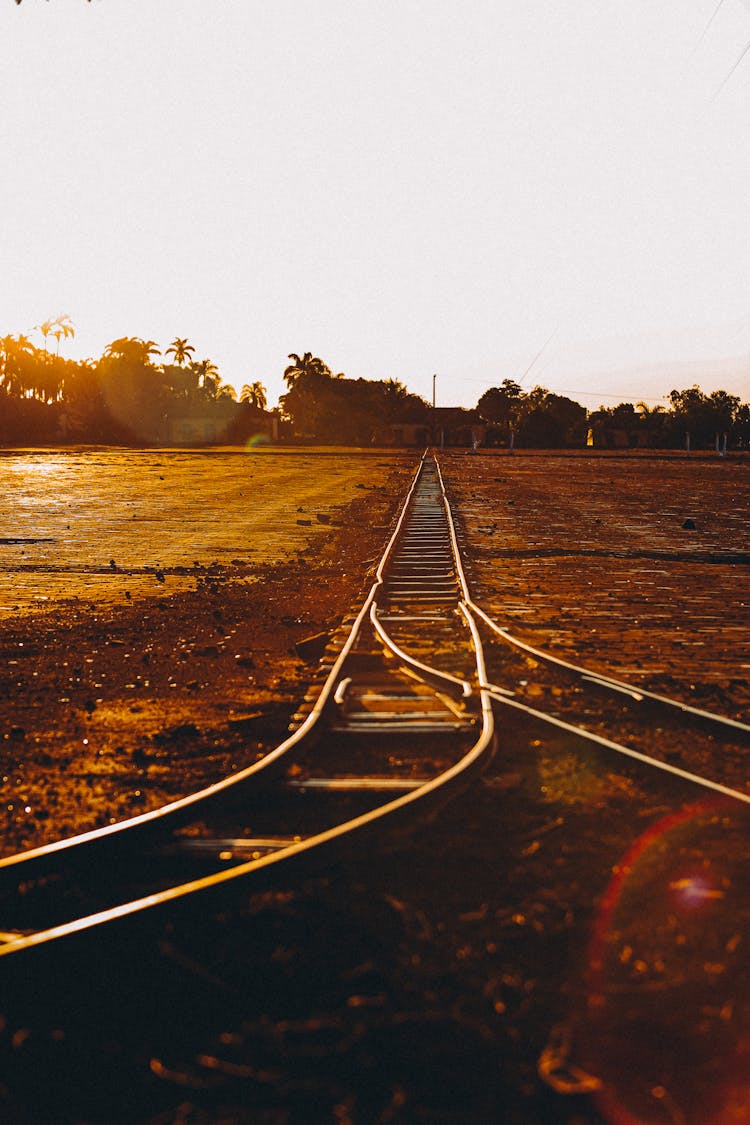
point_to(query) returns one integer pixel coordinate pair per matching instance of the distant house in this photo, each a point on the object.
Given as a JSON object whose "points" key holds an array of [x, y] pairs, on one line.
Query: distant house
{"points": [[409, 434], [447, 425], [601, 438], [454, 425], [206, 425], [224, 422]]}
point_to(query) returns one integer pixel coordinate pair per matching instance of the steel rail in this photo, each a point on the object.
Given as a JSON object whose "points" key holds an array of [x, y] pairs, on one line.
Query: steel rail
{"points": [[188, 803], [610, 683], [424, 671], [618, 747], [485, 690], [334, 688], [460, 575], [463, 606], [454, 539], [295, 850], [474, 612], [602, 680]]}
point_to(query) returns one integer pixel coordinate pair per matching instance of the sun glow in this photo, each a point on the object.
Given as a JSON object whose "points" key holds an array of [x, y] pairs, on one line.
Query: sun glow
{"points": [[34, 466], [522, 171]]}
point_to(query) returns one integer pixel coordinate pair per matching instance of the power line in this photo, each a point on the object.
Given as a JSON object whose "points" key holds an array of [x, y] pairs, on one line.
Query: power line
{"points": [[717, 9], [536, 357], [622, 398], [731, 72], [636, 397]]}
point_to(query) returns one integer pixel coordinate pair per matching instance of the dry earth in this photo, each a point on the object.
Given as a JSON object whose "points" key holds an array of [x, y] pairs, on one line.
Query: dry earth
{"points": [[590, 558], [451, 980], [153, 605]]}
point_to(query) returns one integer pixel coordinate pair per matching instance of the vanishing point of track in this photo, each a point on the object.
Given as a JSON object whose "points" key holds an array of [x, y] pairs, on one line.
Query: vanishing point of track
{"points": [[400, 722], [404, 718]]}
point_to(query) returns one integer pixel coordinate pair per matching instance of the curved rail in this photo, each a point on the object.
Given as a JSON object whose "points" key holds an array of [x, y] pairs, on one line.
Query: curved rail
{"points": [[344, 681], [505, 696], [446, 681], [188, 804], [618, 747], [608, 682]]}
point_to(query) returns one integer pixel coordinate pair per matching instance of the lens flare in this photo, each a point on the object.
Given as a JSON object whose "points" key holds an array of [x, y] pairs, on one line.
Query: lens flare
{"points": [[665, 1024], [255, 441]]}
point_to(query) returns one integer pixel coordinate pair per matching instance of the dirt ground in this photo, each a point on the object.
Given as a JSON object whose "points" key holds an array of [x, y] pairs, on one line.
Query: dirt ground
{"points": [[143, 655], [452, 980], [632, 565]]}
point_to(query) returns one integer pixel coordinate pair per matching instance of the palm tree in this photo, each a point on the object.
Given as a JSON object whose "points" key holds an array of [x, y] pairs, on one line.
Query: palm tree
{"points": [[16, 364], [181, 350], [254, 394], [207, 374], [63, 327], [133, 348], [45, 328], [60, 327], [210, 385], [654, 422], [307, 364]]}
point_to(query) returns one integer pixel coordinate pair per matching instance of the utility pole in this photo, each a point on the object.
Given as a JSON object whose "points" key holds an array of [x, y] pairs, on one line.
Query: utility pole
{"points": [[432, 438]]}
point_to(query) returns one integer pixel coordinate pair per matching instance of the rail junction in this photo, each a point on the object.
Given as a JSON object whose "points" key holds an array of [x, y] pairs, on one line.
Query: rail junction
{"points": [[400, 721], [411, 706]]}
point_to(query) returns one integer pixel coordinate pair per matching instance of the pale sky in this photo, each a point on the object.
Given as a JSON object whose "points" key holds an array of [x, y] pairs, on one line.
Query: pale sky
{"points": [[403, 188]]}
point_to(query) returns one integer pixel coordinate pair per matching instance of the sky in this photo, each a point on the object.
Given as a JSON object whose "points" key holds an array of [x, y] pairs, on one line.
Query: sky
{"points": [[406, 189]]}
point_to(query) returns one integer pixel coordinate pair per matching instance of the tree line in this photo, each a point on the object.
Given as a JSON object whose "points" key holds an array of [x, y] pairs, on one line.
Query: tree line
{"points": [[541, 418], [135, 394], [127, 396]]}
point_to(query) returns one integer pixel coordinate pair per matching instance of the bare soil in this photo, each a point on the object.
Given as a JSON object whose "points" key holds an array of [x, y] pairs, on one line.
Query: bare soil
{"points": [[449, 978], [634, 565], [171, 659]]}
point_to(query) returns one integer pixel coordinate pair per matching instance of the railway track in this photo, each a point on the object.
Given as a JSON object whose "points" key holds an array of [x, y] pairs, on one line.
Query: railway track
{"points": [[411, 696], [399, 723], [405, 714], [706, 749]]}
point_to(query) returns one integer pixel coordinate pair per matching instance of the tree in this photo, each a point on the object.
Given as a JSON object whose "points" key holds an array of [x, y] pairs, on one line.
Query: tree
{"points": [[616, 425], [47, 379], [207, 376], [308, 402], [18, 357], [393, 402], [45, 328], [742, 425], [27, 373], [254, 394], [181, 350], [501, 406], [84, 413], [183, 382], [307, 364], [651, 412], [134, 391], [132, 348], [330, 408], [549, 421], [724, 409], [61, 327], [702, 416]]}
